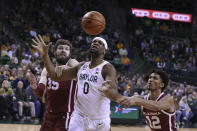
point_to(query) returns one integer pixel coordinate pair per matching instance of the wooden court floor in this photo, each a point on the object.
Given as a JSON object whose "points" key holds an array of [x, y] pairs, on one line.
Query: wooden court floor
{"points": [[21, 127]]}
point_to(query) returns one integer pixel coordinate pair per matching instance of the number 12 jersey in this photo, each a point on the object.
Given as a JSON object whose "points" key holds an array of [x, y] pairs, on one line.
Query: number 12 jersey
{"points": [[159, 120]]}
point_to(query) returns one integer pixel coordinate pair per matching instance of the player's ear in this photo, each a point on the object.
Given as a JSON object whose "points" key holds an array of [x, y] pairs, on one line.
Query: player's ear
{"points": [[162, 85], [104, 52], [55, 54]]}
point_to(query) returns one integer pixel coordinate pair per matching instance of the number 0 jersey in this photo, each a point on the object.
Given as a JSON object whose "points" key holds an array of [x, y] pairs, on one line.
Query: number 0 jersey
{"points": [[159, 120], [90, 101]]}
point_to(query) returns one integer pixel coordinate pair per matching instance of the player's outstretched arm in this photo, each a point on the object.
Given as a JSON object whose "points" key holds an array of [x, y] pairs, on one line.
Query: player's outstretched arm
{"points": [[38, 89], [166, 103], [71, 63], [110, 86], [43, 49]]}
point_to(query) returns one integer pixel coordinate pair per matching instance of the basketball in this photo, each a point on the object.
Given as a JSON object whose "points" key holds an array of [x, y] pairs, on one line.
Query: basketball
{"points": [[93, 23]]}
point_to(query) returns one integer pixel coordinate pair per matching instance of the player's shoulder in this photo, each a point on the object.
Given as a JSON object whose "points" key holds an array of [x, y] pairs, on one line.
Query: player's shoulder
{"points": [[108, 69], [168, 97], [108, 66], [80, 64], [72, 62]]}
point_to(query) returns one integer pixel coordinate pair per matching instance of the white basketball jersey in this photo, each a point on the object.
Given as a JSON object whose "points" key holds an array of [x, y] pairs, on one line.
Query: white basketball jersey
{"points": [[90, 101]]}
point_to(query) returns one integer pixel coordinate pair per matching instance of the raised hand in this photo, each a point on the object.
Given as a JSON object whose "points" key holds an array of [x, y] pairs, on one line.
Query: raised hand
{"points": [[40, 46]]}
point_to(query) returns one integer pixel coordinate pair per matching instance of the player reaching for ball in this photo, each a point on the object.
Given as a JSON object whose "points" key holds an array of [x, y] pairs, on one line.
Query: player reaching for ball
{"points": [[157, 107], [92, 108], [60, 95]]}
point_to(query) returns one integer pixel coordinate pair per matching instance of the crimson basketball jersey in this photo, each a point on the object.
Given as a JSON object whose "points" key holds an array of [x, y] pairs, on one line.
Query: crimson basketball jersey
{"points": [[159, 120], [60, 95]]}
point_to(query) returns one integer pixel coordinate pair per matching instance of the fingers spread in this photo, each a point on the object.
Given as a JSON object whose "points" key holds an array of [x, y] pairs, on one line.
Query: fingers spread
{"points": [[41, 40], [35, 41], [36, 47]]}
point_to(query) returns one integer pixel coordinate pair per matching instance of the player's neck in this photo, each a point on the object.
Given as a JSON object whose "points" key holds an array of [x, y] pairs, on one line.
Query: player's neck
{"points": [[154, 94], [95, 61]]}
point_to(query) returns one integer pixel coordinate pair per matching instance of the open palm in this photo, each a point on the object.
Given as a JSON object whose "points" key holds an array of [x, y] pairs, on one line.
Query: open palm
{"points": [[40, 46]]}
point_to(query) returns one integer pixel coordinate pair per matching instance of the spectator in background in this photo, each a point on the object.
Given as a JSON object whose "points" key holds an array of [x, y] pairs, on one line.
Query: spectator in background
{"points": [[116, 61], [125, 61], [127, 91], [185, 109], [139, 31], [123, 52], [26, 60], [46, 38], [6, 101], [192, 102], [31, 96], [119, 45], [33, 33], [4, 59], [20, 77], [161, 64], [22, 100]]}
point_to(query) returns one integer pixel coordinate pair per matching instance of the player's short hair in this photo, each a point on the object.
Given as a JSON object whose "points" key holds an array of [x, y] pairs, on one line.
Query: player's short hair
{"points": [[63, 42], [163, 75]]}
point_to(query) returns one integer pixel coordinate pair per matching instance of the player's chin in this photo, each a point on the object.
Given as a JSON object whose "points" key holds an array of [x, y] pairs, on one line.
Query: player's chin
{"points": [[63, 57], [93, 51]]}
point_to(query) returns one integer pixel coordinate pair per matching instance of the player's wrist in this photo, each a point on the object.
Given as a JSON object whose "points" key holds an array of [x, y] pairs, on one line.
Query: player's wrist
{"points": [[44, 56]]}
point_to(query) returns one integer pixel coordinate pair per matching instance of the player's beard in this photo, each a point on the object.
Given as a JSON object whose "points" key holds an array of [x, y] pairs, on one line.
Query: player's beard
{"points": [[62, 61]]}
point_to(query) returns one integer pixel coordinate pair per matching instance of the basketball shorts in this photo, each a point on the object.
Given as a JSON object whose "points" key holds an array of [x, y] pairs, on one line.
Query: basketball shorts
{"points": [[83, 123], [53, 123]]}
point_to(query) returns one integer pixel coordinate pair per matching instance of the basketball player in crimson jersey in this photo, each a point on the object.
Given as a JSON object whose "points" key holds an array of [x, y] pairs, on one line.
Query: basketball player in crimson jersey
{"points": [[59, 95], [92, 107], [157, 107]]}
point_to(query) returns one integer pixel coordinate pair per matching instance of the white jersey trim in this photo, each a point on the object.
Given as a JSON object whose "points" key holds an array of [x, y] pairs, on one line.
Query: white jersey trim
{"points": [[159, 96], [170, 114], [170, 123], [67, 119], [71, 86]]}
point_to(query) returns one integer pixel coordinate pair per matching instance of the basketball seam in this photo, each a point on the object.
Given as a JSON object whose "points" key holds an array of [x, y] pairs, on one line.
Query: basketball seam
{"points": [[96, 20], [92, 26]]}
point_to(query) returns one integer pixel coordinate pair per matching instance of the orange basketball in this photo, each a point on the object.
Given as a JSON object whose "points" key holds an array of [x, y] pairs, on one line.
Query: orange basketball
{"points": [[93, 23]]}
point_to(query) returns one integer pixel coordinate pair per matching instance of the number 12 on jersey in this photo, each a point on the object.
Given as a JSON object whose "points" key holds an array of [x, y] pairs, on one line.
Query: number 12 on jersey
{"points": [[86, 88], [154, 122]]}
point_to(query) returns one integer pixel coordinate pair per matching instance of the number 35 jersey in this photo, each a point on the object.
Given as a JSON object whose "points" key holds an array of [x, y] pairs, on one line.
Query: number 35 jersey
{"points": [[91, 102], [159, 120]]}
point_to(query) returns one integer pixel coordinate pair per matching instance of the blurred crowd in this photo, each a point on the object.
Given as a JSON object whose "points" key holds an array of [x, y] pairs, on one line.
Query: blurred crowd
{"points": [[61, 19]]}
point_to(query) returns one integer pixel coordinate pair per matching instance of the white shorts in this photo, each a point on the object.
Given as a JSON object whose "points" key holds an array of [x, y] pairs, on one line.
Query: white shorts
{"points": [[83, 123]]}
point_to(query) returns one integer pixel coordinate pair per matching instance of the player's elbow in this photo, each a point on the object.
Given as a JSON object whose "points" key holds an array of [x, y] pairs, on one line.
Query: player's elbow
{"points": [[158, 108]]}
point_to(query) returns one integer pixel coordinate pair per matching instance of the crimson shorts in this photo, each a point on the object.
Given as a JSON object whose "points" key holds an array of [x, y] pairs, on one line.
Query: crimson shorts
{"points": [[53, 122]]}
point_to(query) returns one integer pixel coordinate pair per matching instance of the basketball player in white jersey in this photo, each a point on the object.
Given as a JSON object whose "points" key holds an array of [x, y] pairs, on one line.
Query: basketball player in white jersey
{"points": [[92, 109]]}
